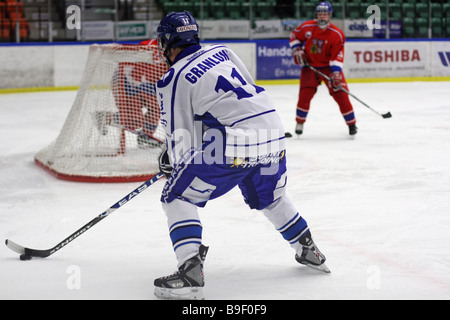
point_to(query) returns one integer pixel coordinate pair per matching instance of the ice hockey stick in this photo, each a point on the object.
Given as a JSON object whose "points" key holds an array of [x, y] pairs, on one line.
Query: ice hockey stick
{"points": [[28, 253], [384, 115]]}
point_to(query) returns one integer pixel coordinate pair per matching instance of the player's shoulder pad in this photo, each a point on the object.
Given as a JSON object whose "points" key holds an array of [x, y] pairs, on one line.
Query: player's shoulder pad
{"points": [[337, 30], [307, 23], [166, 79], [305, 26]]}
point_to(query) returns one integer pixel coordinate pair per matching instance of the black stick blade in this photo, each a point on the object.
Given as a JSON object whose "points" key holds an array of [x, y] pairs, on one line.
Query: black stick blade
{"points": [[27, 251], [387, 115]]}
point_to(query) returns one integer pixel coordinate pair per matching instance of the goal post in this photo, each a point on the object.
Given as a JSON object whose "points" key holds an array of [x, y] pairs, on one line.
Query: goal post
{"points": [[112, 132]]}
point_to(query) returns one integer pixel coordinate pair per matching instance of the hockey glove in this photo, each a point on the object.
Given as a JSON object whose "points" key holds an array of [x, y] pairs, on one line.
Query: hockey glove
{"points": [[336, 80], [164, 164], [298, 55]]}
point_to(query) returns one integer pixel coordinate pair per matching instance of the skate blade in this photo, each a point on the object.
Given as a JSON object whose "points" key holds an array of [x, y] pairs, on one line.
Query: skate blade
{"points": [[323, 267], [189, 293]]}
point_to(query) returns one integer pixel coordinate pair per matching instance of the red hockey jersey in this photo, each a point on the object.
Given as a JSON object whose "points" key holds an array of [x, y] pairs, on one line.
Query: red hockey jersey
{"points": [[323, 47]]}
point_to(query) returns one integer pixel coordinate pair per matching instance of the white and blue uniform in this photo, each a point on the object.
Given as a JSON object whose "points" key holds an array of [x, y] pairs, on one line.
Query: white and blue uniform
{"points": [[210, 85], [222, 131]]}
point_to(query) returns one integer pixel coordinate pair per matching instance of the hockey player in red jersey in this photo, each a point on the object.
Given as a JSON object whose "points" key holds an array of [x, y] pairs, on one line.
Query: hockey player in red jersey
{"points": [[320, 44], [134, 91]]}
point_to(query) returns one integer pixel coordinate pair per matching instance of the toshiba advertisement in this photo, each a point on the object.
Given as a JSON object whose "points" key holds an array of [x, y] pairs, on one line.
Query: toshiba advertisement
{"points": [[363, 59], [387, 59]]}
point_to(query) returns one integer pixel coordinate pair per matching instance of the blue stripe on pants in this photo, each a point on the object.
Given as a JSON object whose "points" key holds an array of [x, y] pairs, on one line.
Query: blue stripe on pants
{"points": [[349, 117]]}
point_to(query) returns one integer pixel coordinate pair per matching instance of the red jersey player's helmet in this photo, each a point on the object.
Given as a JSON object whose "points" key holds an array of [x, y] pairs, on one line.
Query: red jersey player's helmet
{"points": [[323, 7]]}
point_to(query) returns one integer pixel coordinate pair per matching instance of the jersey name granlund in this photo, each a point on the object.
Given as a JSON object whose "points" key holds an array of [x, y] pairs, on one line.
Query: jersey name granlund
{"points": [[203, 66]]}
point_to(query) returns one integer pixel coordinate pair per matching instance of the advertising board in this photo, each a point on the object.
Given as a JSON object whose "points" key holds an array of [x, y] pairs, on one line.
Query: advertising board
{"points": [[363, 59], [387, 59], [274, 60]]}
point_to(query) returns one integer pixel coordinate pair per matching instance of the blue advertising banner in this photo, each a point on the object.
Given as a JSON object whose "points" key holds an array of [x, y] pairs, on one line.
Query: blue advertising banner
{"points": [[395, 30], [274, 60]]}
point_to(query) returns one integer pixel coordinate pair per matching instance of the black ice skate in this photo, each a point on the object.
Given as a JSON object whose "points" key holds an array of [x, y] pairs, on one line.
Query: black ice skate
{"points": [[309, 254], [299, 128], [185, 284], [352, 129]]}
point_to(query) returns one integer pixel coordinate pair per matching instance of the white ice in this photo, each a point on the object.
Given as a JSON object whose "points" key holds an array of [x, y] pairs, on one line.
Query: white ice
{"points": [[378, 206]]}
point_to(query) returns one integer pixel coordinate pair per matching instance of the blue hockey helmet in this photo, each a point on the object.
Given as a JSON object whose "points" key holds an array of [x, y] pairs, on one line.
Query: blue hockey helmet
{"points": [[324, 7], [177, 29]]}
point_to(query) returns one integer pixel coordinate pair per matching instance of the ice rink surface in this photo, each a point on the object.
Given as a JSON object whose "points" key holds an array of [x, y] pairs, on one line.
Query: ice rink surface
{"points": [[378, 206]]}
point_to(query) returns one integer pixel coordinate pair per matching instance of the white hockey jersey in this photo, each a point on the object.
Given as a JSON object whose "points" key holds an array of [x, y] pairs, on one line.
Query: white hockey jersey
{"points": [[209, 95]]}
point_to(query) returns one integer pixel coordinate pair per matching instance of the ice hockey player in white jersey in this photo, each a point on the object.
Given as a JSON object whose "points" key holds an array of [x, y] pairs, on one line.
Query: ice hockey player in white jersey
{"points": [[222, 131]]}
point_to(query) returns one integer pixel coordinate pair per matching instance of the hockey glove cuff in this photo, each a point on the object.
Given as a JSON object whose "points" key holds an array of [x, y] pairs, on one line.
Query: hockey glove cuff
{"points": [[336, 80], [298, 55], [164, 164]]}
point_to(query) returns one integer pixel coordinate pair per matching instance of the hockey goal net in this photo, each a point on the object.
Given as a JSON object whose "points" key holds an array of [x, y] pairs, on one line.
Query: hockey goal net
{"points": [[112, 132]]}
